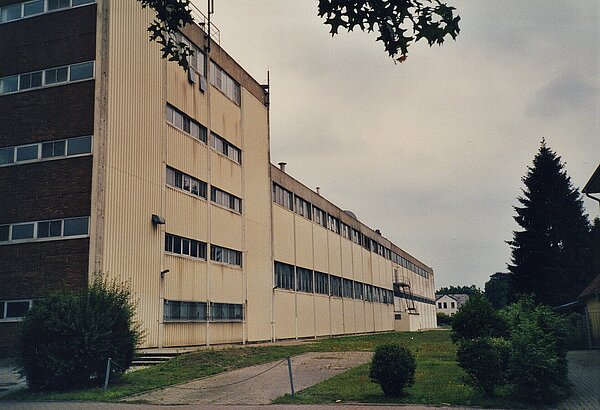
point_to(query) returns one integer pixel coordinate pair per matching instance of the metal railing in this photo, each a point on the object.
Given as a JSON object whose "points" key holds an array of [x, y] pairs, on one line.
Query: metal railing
{"points": [[201, 21]]}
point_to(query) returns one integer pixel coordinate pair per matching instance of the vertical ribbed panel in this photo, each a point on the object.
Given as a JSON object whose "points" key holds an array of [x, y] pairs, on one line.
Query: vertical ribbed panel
{"points": [[134, 147]]}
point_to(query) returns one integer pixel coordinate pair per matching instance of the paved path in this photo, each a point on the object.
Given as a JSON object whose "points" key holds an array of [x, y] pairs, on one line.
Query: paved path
{"points": [[10, 379], [258, 384], [584, 375], [123, 406]]}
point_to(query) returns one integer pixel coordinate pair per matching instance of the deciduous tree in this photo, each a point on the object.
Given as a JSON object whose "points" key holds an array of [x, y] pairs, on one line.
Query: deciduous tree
{"points": [[399, 23]]}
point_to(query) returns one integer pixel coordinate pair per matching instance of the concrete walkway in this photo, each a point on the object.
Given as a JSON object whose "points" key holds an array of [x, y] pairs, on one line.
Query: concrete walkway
{"points": [[259, 384], [584, 375], [10, 379]]}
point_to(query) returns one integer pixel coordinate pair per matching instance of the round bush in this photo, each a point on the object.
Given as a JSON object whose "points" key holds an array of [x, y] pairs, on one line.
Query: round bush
{"points": [[485, 360], [477, 318], [393, 368], [67, 338]]}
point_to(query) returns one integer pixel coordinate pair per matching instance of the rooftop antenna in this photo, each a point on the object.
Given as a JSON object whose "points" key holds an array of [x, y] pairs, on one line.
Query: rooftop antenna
{"points": [[211, 10]]}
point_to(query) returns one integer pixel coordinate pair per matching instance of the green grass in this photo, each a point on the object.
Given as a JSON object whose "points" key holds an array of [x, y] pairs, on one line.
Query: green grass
{"points": [[439, 379]]}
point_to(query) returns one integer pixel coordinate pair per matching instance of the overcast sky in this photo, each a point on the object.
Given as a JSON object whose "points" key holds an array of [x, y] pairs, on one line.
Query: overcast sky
{"points": [[430, 151]]}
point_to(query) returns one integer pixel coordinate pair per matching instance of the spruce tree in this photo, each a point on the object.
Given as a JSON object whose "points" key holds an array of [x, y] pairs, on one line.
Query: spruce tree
{"points": [[551, 256]]}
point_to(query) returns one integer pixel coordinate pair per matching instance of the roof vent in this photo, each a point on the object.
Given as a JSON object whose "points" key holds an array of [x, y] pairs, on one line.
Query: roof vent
{"points": [[318, 190], [377, 231], [282, 166]]}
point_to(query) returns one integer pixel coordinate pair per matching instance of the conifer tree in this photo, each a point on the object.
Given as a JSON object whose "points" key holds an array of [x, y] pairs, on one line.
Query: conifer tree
{"points": [[551, 256]]}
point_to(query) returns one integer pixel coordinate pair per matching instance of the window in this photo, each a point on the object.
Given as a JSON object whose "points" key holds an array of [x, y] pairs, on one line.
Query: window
{"points": [[319, 217], [445, 305], [335, 285], [221, 80], [184, 311], [345, 230], [226, 199], [347, 291], [303, 207], [439, 305], [27, 153], [48, 77], [36, 7], [305, 280], [282, 197], [14, 309], [369, 293], [186, 183], [355, 236], [452, 305], [43, 151], [185, 123], [226, 311], [321, 283], [284, 276], [44, 230], [359, 291], [185, 246], [225, 255], [223, 146], [333, 224], [75, 226], [197, 61]]}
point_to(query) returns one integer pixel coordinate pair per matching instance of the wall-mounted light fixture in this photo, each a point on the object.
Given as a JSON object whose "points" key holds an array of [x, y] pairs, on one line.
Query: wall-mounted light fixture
{"points": [[162, 273], [157, 220]]}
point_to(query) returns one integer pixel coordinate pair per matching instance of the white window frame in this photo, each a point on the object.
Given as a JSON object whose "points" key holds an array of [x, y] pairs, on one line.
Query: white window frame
{"points": [[52, 158], [3, 317], [44, 83], [35, 238], [45, 10]]}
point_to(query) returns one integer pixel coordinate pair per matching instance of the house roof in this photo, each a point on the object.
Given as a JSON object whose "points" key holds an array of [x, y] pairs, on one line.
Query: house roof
{"points": [[592, 289], [459, 297], [593, 185]]}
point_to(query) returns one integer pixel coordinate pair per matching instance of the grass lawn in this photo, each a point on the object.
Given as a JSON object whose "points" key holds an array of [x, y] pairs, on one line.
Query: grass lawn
{"points": [[439, 379]]}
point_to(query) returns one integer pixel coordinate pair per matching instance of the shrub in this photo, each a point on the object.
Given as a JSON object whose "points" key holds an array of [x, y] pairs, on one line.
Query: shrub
{"points": [[443, 319], [67, 338], [476, 319], [485, 361], [393, 368], [537, 369]]}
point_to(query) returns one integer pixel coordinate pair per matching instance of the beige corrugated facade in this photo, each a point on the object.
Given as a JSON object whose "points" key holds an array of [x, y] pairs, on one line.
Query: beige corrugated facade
{"points": [[135, 146]]}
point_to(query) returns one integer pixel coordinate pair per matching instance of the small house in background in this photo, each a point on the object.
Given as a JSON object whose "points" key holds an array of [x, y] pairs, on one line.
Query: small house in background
{"points": [[591, 297], [591, 294], [449, 304]]}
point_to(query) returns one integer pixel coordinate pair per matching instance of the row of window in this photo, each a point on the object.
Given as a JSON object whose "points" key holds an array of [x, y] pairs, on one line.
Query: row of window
{"points": [[47, 77], [44, 230], [186, 124], [14, 309], [45, 150], [178, 179], [34, 8], [226, 148], [304, 208], [226, 199], [444, 305], [416, 298], [197, 60], [187, 183], [197, 249], [305, 280], [223, 81], [175, 310]]}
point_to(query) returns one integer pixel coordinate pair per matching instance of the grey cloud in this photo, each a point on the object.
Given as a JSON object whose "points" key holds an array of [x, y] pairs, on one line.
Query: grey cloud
{"points": [[565, 94]]}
